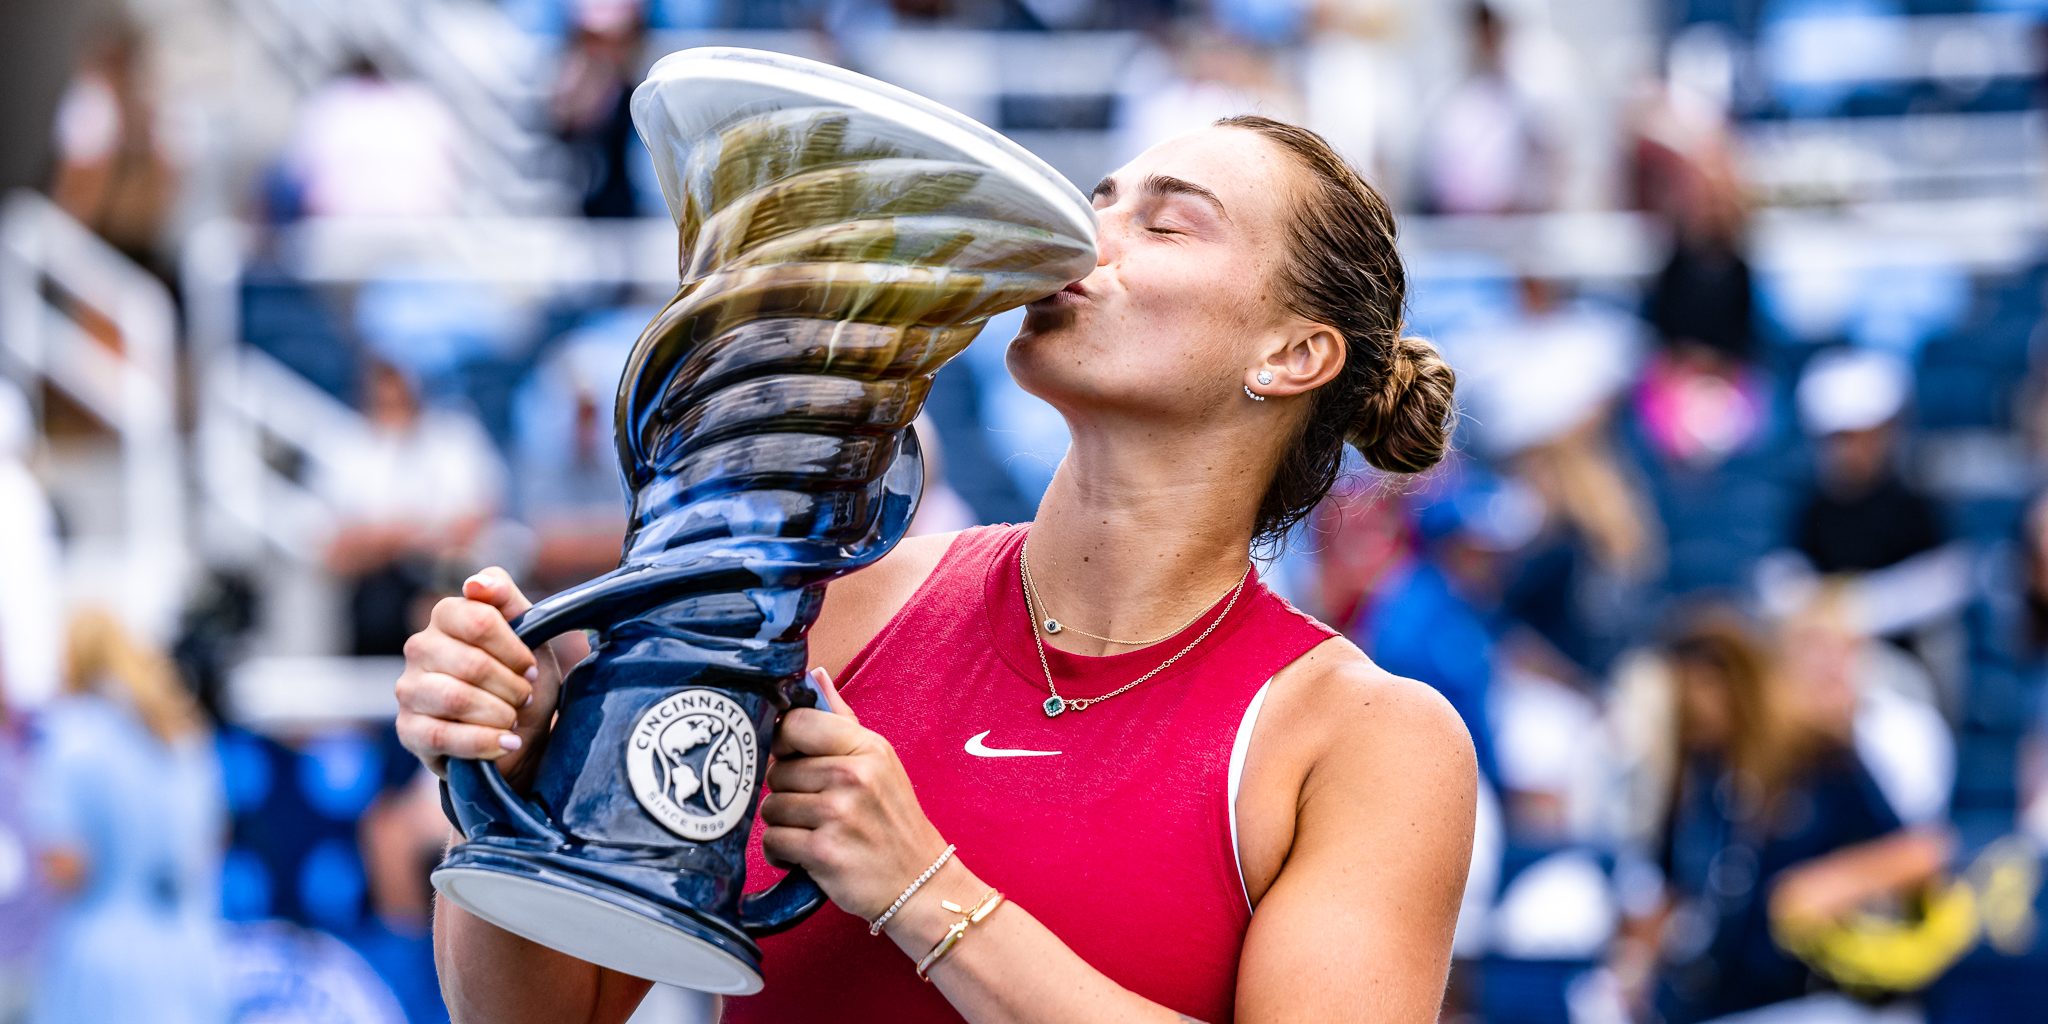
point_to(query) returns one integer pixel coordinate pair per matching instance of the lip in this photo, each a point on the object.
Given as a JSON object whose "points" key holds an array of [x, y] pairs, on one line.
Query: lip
{"points": [[1073, 294]]}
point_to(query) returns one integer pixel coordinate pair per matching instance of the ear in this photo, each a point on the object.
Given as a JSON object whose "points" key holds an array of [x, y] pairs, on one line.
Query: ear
{"points": [[1301, 358]]}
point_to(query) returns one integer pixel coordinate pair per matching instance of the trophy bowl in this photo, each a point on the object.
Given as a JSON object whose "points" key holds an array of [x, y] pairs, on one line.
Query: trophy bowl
{"points": [[839, 239]]}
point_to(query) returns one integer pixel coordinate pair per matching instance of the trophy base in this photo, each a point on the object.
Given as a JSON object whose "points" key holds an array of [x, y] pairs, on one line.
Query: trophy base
{"points": [[598, 922]]}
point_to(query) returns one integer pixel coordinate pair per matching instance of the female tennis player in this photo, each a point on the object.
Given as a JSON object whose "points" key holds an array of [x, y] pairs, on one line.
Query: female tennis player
{"points": [[1089, 768]]}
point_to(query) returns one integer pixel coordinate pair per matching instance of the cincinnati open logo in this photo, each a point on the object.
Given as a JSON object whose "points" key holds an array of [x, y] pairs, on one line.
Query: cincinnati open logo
{"points": [[691, 761]]}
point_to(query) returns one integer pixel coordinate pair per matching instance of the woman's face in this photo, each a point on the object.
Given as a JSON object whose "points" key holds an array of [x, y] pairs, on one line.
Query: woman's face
{"points": [[1192, 234]]}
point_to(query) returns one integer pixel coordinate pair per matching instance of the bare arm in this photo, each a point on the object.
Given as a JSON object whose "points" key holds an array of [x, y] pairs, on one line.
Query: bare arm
{"points": [[1828, 886]]}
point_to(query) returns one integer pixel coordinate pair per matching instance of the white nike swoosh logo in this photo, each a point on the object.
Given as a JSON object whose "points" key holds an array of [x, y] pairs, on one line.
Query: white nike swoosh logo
{"points": [[975, 747]]}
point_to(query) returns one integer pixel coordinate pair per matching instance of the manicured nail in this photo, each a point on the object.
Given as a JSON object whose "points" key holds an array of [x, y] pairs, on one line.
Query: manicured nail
{"points": [[821, 676], [528, 700], [533, 676], [479, 579], [510, 741]]}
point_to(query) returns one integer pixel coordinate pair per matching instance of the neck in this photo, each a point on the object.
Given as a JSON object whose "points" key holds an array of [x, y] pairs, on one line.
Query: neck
{"points": [[1133, 537]]}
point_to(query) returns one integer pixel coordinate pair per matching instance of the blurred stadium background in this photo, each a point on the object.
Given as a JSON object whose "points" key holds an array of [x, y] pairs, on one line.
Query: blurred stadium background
{"points": [[310, 308]]}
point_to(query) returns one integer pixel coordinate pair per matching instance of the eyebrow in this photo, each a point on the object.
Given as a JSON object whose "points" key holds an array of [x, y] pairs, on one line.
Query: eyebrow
{"points": [[1161, 184]]}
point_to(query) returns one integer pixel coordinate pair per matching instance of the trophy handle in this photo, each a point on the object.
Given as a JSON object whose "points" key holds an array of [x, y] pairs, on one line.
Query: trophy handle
{"points": [[479, 797], [785, 904]]}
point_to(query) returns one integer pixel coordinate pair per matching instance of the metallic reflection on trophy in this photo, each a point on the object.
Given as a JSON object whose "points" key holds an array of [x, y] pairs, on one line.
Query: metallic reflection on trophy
{"points": [[840, 239]]}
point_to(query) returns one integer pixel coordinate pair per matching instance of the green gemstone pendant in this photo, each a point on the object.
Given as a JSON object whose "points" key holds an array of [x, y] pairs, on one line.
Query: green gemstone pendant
{"points": [[1053, 706]]}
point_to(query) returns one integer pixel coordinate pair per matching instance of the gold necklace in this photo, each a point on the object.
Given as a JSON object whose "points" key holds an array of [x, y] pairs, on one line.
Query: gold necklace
{"points": [[1052, 624], [1054, 705]]}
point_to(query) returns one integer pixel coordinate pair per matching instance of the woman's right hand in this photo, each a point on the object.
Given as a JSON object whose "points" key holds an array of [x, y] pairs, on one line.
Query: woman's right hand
{"points": [[471, 688]]}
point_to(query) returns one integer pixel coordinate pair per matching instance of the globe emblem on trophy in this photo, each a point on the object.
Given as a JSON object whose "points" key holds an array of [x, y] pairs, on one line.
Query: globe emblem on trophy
{"points": [[691, 762]]}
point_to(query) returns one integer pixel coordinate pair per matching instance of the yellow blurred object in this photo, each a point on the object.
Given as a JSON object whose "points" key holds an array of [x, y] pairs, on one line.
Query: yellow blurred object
{"points": [[1994, 900], [1876, 951]]}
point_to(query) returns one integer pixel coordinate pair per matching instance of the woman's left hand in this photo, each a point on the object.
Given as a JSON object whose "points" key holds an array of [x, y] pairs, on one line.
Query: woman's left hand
{"points": [[842, 808]]}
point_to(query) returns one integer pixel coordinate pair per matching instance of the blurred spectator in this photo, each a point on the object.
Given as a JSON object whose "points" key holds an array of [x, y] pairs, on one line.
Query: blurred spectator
{"points": [[112, 173], [367, 146], [128, 810], [1862, 518], [1541, 391], [417, 490], [1871, 697], [592, 109], [1437, 618], [1861, 513], [24, 899], [1770, 816], [1488, 148], [29, 588], [1194, 78], [1700, 399]]}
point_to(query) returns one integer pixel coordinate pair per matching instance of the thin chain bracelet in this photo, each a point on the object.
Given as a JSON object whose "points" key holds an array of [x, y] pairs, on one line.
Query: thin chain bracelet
{"points": [[875, 927]]}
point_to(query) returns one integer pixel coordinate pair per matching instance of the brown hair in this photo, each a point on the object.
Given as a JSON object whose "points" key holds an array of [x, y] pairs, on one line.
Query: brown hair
{"points": [[100, 653], [1392, 400], [1770, 745]]}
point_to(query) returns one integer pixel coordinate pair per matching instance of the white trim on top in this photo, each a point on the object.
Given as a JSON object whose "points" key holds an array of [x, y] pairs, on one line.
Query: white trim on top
{"points": [[1238, 748]]}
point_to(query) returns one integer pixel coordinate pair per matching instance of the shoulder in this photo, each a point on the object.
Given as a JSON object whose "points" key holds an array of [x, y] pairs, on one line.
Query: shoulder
{"points": [[1356, 724]]}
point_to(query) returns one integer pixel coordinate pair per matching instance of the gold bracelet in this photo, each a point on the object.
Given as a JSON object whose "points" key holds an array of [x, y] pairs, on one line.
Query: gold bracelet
{"points": [[987, 906]]}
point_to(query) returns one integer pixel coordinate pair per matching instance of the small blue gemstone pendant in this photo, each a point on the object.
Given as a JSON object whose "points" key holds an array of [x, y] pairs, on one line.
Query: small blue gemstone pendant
{"points": [[1052, 625], [1053, 706]]}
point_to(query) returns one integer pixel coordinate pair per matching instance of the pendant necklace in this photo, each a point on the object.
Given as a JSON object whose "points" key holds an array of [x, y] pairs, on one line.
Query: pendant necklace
{"points": [[1055, 704]]}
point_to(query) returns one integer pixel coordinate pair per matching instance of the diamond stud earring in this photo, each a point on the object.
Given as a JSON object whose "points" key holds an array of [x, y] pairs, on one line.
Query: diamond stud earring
{"points": [[1265, 376]]}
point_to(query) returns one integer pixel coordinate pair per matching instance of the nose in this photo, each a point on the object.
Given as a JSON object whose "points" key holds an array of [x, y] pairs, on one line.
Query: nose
{"points": [[1109, 237]]}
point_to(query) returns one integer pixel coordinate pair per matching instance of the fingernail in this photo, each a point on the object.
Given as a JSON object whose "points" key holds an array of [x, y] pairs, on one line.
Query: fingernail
{"points": [[479, 579], [510, 741], [528, 700], [821, 676], [533, 676]]}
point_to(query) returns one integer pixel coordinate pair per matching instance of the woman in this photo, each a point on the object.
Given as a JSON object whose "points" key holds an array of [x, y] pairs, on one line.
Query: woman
{"points": [[128, 807], [1772, 823], [1242, 324]]}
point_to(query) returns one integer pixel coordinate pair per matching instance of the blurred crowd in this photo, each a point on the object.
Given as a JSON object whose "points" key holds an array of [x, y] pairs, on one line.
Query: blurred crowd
{"points": [[1739, 576]]}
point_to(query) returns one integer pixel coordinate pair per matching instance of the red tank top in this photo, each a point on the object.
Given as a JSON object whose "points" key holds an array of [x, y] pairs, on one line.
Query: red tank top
{"points": [[1121, 844]]}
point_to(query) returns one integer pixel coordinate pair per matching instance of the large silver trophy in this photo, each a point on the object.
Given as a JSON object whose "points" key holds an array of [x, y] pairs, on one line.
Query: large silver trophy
{"points": [[839, 240]]}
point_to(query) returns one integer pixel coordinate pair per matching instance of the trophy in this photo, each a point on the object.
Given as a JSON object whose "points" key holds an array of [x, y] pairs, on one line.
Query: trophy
{"points": [[839, 240]]}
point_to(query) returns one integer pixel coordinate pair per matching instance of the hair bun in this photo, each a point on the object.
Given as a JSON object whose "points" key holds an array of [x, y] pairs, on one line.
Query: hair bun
{"points": [[1406, 428]]}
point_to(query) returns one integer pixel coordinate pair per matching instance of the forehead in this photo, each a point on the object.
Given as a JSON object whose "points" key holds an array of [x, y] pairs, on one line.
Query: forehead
{"points": [[1253, 177]]}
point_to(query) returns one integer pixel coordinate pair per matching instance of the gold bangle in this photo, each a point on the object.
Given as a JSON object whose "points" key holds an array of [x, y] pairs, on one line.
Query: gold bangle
{"points": [[982, 909]]}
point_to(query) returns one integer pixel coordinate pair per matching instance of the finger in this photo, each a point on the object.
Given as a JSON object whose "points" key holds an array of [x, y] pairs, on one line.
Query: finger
{"points": [[494, 586], [438, 695], [809, 732], [833, 698], [435, 738], [433, 651], [797, 810], [486, 624], [785, 847], [818, 774]]}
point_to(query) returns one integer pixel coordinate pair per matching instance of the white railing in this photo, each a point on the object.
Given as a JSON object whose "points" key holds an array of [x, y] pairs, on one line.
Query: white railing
{"points": [[85, 321], [249, 405]]}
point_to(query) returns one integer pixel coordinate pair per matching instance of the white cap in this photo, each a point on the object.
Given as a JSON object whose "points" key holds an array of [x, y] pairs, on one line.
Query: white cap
{"points": [[1852, 389]]}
